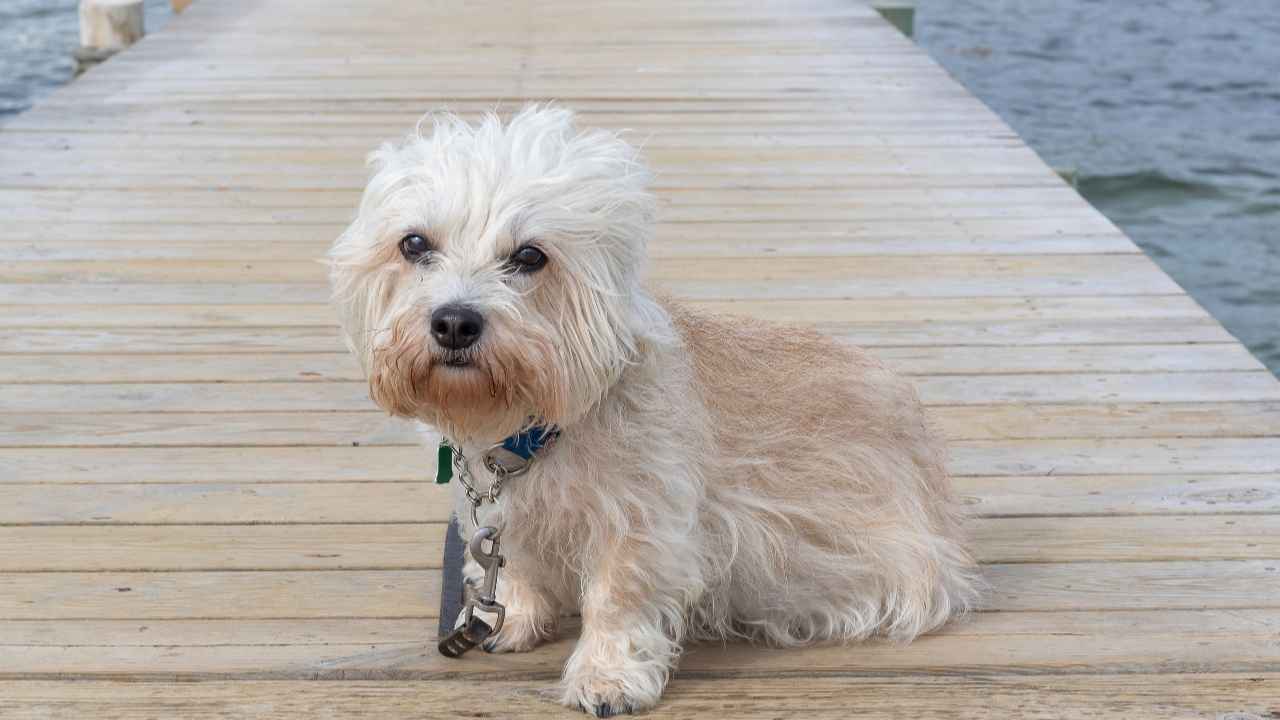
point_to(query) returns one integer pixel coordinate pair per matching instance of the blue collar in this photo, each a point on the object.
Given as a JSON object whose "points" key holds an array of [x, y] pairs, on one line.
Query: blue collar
{"points": [[519, 448], [531, 440]]}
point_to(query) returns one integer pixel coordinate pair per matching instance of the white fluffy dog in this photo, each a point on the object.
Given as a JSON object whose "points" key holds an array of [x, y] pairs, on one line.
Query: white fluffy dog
{"points": [[714, 477]]}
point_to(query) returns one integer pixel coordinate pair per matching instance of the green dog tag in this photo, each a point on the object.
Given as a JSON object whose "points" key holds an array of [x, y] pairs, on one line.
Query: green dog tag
{"points": [[444, 464]]}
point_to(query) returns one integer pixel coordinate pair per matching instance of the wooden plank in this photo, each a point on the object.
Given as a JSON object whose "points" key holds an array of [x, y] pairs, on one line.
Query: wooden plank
{"points": [[64, 103], [1101, 456], [287, 464], [196, 632], [137, 548], [191, 398], [150, 340], [191, 124], [773, 133], [201, 397], [324, 367], [247, 595], [836, 314], [192, 367], [355, 648], [276, 315], [210, 595], [731, 278], [159, 293], [307, 339], [371, 502], [178, 429], [188, 206], [276, 241], [1126, 538], [828, 313], [1064, 359], [308, 179], [1074, 495], [415, 660], [1046, 457], [215, 164], [437, 90], [226, 503], [1044, 697], [253, 293], [1186, 387], [384, 120], [986, 276], [1132, 585], [674, 241], [417, 545], [316, 207], [1147, 420], [367, 428], [685, 202]]}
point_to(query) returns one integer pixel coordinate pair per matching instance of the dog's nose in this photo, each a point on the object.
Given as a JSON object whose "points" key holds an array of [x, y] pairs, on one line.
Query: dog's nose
{"points": [[456, 327]]}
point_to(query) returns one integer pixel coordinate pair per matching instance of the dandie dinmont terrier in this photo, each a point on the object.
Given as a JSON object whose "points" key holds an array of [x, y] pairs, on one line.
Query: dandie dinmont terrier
{"points": [[668, 474]]}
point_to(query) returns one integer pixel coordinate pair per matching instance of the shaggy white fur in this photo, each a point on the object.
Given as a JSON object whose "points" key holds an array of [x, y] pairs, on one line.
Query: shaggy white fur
{"points": [[715, 477]]}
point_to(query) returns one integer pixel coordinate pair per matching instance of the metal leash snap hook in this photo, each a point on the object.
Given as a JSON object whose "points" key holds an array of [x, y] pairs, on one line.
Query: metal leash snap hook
{"points": [[491, 560], [474, 630]]}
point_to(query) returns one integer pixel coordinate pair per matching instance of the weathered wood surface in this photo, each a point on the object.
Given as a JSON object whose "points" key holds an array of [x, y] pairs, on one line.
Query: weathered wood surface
{"points": [[194, 485], [1042, 697]]}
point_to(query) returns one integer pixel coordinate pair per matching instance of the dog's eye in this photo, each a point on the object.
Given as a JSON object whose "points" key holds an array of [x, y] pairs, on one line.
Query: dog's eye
{"points": [[528, 259], [414, 248]]}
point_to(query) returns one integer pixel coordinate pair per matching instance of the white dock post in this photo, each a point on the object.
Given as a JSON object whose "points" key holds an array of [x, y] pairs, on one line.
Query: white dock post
{"points": [[106, 27]]}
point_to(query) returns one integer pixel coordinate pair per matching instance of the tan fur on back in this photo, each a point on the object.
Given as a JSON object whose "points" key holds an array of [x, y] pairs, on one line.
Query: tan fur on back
{"points": [[827, 452]]}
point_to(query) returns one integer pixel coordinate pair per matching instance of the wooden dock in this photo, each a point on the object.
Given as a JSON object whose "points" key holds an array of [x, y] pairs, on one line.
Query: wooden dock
{"points": [[194, 485]]}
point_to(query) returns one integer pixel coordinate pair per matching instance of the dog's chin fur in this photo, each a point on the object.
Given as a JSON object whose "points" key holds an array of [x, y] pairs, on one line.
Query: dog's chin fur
{"points": [[489, 391], [715, 477]]}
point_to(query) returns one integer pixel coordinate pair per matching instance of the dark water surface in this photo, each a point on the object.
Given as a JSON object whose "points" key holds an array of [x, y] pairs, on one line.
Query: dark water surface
{"points": [[1170, 111]]}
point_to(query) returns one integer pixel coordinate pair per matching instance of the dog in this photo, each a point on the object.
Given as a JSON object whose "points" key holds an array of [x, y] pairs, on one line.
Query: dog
{"points": [[712, 477]]}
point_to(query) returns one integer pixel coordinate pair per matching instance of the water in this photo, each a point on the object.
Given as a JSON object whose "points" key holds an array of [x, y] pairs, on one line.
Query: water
{"points": [[1170, 111], [37, 38]]}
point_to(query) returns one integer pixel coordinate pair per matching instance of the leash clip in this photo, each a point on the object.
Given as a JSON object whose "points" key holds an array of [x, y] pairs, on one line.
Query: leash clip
{"points": [[474, 630], [508, 459]]}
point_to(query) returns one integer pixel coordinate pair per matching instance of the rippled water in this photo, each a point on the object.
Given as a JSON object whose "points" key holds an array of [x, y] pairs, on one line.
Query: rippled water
{"points": [[37, 38], [1170, 111]]}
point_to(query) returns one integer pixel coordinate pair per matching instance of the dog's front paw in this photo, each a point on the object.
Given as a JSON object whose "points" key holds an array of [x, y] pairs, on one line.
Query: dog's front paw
{"points": [[603, 696], [522, 632], [619, 686]]}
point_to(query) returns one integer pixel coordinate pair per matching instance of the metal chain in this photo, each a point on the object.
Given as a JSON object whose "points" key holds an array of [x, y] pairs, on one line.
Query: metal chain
{"points": [[474, 496]]}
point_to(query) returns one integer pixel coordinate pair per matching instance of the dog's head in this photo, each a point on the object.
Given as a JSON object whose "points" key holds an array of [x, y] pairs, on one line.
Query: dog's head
{"points": [[492, 274]]}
